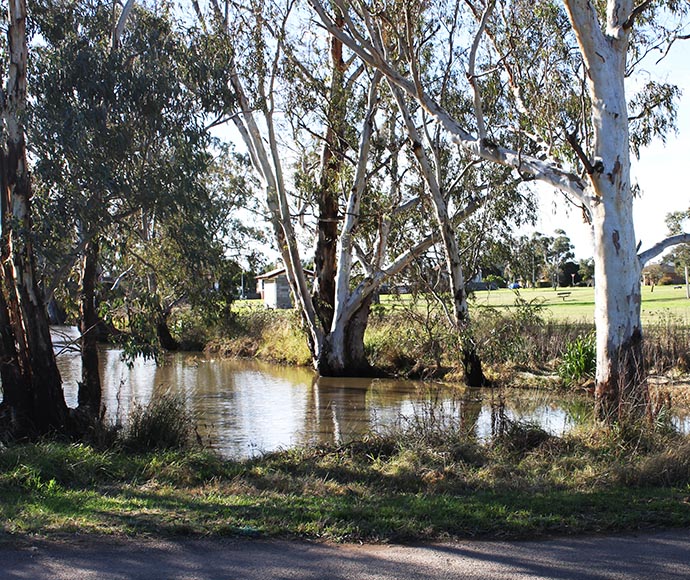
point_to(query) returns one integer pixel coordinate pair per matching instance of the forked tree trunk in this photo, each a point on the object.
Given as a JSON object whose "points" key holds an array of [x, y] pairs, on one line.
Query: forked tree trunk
{"points": [[35, 390], [89, 396], [606, 192], [343, 353]]}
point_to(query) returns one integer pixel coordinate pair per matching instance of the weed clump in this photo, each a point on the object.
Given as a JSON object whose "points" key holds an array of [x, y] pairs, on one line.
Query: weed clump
{"points": [[519, 438], [579, 361], [165, 423], [670, 467]]}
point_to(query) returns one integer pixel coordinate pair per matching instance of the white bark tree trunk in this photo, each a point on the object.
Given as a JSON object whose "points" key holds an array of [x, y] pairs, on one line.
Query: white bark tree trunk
{"points": [[35, 394], [620, 385], [606, 191]]}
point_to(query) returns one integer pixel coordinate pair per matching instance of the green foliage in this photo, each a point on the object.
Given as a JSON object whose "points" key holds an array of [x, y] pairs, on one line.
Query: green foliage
{"points": [[413, 340], [652, 114], [586, 270], [579, 361], [123, 155], [494, 281]]}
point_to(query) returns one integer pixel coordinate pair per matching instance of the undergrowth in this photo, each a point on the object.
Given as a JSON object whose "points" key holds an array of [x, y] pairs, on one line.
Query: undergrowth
{"points": [[423, 481]]}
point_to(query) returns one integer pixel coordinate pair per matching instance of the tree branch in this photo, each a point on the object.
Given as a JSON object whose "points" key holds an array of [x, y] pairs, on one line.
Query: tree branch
{"points": [[575, 144], [547, 172], [472, 75], [120, 26], [655, 250], [628, 24]]}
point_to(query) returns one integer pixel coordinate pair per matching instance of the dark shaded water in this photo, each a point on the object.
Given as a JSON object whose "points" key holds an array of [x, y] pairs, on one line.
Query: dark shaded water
{"points": [[245, 407]]}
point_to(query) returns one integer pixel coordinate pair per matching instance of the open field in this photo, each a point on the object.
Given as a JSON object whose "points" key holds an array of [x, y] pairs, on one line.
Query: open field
{"points": [[578, 306]]}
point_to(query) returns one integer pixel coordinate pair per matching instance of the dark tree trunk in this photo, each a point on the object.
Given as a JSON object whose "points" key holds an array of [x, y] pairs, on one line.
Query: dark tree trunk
{"points": [[325, 256], [165, 338], [15, 391], [473, 374], [89, 396], [472, 366]]}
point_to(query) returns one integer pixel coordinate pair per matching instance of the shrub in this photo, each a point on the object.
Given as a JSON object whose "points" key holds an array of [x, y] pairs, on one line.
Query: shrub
{"points": [[165, 423], [519, 438], [579, 361], [415, 341], [509, 336]]}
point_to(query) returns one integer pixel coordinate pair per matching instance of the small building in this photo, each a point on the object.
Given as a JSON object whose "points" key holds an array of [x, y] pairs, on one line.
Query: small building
{"points": [[274, 288]]}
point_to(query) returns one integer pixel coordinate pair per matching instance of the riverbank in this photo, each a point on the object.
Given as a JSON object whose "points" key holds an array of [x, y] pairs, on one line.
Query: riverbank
{"points": [[423, 484], [517, 336]]}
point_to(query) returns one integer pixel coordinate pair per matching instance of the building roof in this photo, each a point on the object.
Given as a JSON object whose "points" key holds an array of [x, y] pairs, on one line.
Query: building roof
{"points": [[279, 272]]}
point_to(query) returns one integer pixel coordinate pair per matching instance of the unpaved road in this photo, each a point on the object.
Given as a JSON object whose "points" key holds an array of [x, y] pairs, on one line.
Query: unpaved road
{"points": [[656, 556]]}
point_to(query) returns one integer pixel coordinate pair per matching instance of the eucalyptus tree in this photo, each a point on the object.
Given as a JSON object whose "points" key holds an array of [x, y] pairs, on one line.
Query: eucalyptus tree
{"points": [[556, 251], [33, 400], [187, 260], [563, 69], [526, 259], [328, 156], [117, 134]]}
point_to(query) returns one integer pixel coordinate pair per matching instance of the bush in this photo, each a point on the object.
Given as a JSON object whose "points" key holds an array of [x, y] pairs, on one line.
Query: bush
{"points": [[415, 341], [165, 423], [579, 361], [508, 336]]}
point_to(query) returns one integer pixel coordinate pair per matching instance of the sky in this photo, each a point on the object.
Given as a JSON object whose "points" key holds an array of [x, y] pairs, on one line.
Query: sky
{"points": [[660, 171]]}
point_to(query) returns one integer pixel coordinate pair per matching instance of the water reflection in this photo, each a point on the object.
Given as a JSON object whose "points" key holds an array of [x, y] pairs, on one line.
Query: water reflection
{"points": [[246, 407]]}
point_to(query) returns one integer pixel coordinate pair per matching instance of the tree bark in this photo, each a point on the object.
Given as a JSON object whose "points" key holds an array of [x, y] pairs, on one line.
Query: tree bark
{"points": [[15, 390], [326, 252], [621, 389], [165, 337], [37, 392], [89, 396], [343, 353]]}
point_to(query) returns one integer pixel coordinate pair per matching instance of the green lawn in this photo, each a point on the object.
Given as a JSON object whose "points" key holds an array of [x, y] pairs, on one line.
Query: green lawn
{"points": [[664, 301], [381, 489], [578, 306]]}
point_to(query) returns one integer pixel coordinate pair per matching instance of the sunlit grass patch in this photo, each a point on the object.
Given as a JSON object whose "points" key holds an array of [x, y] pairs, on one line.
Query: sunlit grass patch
{"points": [[413, 484]]}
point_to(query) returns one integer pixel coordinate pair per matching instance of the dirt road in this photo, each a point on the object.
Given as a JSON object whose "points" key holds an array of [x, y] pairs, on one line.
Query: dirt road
{"points": [[659, 556]]}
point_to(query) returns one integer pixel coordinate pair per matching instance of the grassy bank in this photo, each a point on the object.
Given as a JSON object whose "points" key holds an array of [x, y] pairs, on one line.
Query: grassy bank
{"points": [[533, 330], [414, 486]]}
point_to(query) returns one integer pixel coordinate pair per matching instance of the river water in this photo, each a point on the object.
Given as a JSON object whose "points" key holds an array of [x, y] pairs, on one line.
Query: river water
{"points": [[243, 408]]}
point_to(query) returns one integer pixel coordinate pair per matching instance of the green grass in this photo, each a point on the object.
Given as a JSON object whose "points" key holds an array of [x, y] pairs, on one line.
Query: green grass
{"points": [[380, 489], [579, 306]]}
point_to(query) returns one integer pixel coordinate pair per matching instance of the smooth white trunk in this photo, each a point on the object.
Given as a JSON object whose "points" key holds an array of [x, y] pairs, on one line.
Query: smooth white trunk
{"points": [[620, 383]]}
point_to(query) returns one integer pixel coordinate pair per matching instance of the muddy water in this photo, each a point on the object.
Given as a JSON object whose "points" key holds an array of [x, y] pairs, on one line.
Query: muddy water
{"points": [[245, 407]]}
